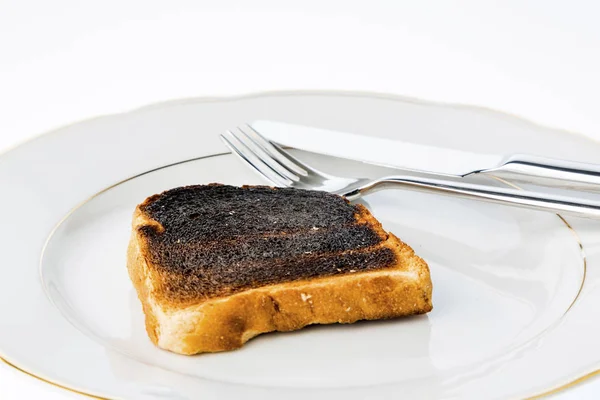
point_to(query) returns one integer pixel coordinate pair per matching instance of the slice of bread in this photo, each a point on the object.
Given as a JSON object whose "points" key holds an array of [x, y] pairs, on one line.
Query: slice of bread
{"points": [[216, 265]]}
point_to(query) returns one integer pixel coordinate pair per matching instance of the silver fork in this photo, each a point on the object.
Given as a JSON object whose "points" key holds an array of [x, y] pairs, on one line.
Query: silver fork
{"points": [[282, 169]]}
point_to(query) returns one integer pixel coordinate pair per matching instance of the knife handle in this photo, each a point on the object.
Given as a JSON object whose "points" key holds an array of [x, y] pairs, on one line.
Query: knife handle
{"points": [[549, 172]]}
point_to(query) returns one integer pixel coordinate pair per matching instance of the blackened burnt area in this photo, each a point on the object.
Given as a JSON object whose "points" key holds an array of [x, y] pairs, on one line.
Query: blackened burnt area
{"points": [[223, 280], [221, 212], [221, 239], [195, 257]]}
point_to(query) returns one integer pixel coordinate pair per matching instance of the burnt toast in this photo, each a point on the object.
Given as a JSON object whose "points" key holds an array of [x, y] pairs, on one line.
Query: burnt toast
{"points": [[215, 265]]}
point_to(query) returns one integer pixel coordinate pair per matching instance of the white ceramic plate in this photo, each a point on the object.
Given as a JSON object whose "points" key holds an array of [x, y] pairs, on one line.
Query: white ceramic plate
{"points": [[515, 291]]}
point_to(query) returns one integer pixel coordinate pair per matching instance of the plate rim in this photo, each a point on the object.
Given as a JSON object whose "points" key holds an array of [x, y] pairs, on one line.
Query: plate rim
{"points": [[298, 92], [74, 209], [571, 382]]}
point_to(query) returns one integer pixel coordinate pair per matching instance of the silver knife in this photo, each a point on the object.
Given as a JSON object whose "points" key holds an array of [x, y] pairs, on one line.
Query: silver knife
{"points": [[430, 159]]}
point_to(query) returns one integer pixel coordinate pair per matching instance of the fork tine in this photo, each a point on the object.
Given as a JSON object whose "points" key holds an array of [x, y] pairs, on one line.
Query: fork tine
{"points": [[250, 158], [263, 155], [277, 152], [297, 161]]}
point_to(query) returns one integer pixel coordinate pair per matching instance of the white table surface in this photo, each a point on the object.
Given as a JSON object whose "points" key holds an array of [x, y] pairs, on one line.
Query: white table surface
{"points": [[67, 60]]}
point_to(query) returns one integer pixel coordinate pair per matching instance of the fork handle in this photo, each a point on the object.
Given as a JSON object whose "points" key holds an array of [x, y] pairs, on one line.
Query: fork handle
{"points": [[536, 200], [549, 172]]}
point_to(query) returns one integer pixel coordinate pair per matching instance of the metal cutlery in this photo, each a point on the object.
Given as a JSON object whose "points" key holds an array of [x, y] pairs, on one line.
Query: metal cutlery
{"points": [[282, 169], [521, 168]]}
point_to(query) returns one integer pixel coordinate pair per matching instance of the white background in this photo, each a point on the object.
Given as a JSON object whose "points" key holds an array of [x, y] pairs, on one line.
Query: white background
{"points": [[67, 60]]}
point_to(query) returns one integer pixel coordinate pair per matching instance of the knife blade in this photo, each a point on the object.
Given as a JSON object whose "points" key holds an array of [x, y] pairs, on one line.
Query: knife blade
{"points": [[378, 151]]}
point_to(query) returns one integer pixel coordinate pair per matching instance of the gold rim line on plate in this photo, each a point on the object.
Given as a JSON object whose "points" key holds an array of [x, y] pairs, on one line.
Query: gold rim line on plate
{"points": [[573, 231], [591, 374], [325, 92], [568, 385], [95, 195], [58, 385]]}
